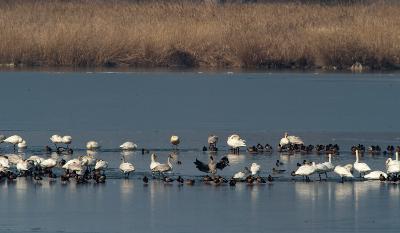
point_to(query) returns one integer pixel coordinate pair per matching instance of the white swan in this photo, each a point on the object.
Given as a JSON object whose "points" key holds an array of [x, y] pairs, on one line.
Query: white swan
{"points": [[153, 162], [87, 160], [175, 140], [22, 145], [255, 169], [161, 168], [13, 159], [48, 163], [4, 162], [67, 140], [290, 140], [344, 171], [126, 167], [393, 166], [37, 160], [361, 168], [242, 174], [92, 145], [325, 167], [128, 146], [69, 163], [24, 165], [375, 175], [56, 139], [15, 140], [101, 165], [235, 142], [305, 171]]}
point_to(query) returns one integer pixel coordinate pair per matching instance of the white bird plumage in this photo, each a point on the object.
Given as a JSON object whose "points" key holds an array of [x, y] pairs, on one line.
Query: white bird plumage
{"points": [[361, 168], [92, 145], [153, 162], [126, 168], [241, 174], [393, 166], [101, 165], [234, 141], [305, 170], [375, 175], [128, 146], [290, 140], [255, 168], [344, 171]]}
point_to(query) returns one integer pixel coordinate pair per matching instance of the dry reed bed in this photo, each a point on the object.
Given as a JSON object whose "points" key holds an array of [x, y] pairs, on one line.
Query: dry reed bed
{"points": [[97, 33]]}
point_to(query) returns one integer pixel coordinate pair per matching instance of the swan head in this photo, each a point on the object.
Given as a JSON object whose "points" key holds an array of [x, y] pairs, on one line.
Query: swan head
{"points": [[293, 173], [286, 134]]}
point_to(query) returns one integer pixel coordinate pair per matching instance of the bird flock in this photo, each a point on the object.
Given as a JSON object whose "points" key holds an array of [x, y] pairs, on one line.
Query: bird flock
{"points": [[88, 168]]}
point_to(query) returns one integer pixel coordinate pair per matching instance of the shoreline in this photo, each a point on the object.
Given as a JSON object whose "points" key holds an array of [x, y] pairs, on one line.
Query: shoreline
{"points": [[196, 35]]}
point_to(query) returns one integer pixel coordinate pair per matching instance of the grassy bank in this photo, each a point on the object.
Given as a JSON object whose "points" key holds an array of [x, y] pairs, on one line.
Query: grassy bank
{"points": [[269, 35]]}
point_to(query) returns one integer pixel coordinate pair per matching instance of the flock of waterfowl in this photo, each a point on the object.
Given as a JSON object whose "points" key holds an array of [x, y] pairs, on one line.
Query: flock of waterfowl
{"points": [[85, 168]]}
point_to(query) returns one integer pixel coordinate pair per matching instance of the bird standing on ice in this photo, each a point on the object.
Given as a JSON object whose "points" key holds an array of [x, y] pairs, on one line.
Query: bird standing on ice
{"points": [[305, 171], [175, 140], [212, 142], [362, 168], [235, 142], [287, 140], [92, 145], [344, 171], [15, 140], [128, 146], [126, 168]]}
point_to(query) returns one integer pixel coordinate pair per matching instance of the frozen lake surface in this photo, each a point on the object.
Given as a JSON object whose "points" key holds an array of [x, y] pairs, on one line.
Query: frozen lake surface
{"points": [[147, 107]]}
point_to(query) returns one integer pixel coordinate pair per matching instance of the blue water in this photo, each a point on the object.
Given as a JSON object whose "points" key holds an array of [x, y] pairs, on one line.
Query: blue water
{"points": [[147, 107]]}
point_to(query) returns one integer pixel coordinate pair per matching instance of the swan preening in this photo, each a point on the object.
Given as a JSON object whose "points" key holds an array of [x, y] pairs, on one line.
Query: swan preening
{"points": [[235, 142], [15, 140], [175, 140], [212, 142], [344, 171], [128, 146], [92, 145]]}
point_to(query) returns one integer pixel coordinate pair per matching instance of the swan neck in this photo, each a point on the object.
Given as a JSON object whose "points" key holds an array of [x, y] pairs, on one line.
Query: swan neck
{"points": [[397, 156], [330, 158], [356, 156]]}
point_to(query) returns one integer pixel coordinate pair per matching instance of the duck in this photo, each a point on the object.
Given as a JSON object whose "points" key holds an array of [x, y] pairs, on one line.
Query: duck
{"points": [[145, 179], [232, 182], [305, 171], [270, 178], [92, 145], [175, 140], [14, 139], [212, 167], [361, 168], [126, 168], [180, 180], [241, 174], [235, 142], [376, 175], [128, 146], [278, 163], [162, 168], [255, 169], [344, 171], [189, 181], [276, 170]]}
